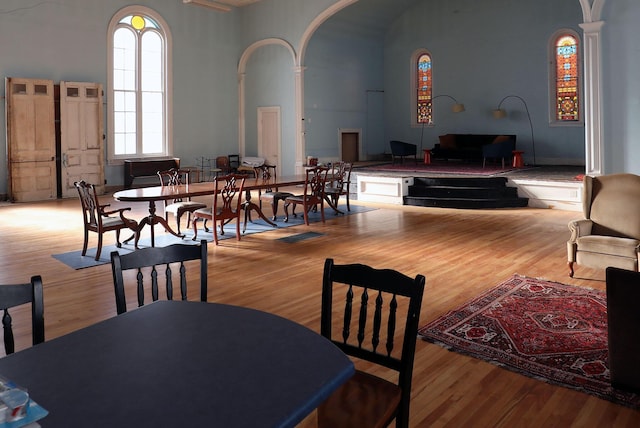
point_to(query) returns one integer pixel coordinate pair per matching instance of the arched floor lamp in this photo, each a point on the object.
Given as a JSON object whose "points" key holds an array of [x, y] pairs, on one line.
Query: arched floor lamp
{"points": [[456, 108], [500, 113]]}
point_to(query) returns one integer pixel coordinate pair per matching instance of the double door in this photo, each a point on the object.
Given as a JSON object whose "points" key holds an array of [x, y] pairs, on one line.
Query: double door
{"points": [[45, 160]]}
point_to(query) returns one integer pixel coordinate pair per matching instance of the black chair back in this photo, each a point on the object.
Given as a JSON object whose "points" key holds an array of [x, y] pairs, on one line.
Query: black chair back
{"points": [[14, 295]]}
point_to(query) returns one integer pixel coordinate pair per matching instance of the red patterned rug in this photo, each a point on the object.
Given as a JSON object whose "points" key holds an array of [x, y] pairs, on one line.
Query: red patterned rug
{"points": [[542, 329]]}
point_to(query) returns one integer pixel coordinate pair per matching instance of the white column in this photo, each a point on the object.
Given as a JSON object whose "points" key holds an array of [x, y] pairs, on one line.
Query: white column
{"points": [[593, 98], [241, 115], [300, 128]]}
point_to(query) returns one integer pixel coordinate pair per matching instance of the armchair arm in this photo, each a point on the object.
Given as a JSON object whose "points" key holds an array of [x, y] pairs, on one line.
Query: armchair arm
{"points": [[579, 228]]}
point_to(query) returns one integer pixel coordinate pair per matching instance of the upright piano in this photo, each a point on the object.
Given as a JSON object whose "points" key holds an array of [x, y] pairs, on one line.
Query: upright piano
{"points": [[146, 168]]}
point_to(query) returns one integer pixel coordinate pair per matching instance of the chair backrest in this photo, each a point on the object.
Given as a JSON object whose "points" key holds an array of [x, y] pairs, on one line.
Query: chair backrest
{"points": [[391, 294], [234, 162], [341, 176], [267, 173], [90, 203], [20, 294], [222, 162], [612, 202], [174, 177], [148, 261], [228, 196], [623, 320], [315, 182]]}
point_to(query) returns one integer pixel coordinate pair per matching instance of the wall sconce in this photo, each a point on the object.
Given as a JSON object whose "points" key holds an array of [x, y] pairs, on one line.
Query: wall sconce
{"points": [[500, 113]]}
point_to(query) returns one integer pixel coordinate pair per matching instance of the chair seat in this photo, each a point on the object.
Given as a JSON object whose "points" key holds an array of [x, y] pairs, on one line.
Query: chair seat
{"points": [[184, 206], [111, 221], [623, 247], [275, 195], [347, 406]]}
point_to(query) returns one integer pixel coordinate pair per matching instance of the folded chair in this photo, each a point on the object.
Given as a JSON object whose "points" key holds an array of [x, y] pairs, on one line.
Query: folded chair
{"points": [[97, 219], [378, 300]]}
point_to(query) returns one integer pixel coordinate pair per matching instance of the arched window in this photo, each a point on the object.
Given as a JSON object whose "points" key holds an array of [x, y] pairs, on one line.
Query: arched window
{"points": [[567, 101], [423, 89], [139, 101]]}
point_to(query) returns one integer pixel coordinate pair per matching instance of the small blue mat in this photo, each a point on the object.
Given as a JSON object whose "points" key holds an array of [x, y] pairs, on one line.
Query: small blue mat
{"points": [[75, 260]]}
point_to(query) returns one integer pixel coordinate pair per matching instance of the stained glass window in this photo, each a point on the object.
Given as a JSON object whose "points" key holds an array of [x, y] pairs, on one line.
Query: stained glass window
{"points": [[567, 98], [423, 86]]}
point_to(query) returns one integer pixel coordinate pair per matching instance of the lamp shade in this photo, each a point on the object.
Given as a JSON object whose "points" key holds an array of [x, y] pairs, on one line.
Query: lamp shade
{"points": [[499, 113], [457, 108]]}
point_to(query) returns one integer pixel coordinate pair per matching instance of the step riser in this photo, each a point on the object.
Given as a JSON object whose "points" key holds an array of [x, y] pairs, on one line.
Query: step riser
{"points": [[463, 192], [470, 193]]}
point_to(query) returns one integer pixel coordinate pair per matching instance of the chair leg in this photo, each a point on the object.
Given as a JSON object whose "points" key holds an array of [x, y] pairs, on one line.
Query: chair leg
{"points": [[215, 232], [571, 269], [347, 195], [86, 241], [195, 228], [238, 228], [99, 248]]}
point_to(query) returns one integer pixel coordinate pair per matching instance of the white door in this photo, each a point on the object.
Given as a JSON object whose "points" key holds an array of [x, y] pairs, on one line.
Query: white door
{"points": [[81, 136], [31, 141], [269, 135]]}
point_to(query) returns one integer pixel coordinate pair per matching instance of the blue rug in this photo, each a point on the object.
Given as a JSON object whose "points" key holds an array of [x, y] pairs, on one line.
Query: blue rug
{"points": [[75, 260]]}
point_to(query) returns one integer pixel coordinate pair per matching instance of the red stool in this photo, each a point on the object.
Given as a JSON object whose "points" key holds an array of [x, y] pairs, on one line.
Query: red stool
{"points": [[427, 156], [517, 159]]}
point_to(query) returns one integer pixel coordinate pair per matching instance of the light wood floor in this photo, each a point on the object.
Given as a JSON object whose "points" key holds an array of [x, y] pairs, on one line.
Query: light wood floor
{"points": [[461, 253]]}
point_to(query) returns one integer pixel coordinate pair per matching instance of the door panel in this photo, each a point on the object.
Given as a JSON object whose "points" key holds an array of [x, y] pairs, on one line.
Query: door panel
{"points": [[30, 139], [81, 134], [269, 135]]}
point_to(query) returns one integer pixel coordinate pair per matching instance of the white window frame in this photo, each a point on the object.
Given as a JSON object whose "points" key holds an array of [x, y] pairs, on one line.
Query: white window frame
{"points": [[165, 34], [553, 120]]}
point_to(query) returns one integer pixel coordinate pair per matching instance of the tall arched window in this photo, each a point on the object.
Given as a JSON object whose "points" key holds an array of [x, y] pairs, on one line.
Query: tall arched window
{"points": [[423, 89], [566, 105], [139, 102]]}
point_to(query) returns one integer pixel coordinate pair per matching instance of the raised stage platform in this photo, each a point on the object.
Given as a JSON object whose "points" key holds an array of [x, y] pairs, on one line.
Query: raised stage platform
{"points": [[554, 187]]}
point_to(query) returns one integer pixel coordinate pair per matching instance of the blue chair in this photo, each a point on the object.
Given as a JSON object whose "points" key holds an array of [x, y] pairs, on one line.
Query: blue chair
{"points": [[499, 149]]}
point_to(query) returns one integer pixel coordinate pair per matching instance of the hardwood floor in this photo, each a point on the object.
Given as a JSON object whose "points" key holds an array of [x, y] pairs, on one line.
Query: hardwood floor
{"points": [[461, 253]]}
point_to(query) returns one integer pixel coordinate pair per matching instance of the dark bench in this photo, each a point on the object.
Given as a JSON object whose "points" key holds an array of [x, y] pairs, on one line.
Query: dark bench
{"points": [[402, 150], [467, 147], [146, 168]]}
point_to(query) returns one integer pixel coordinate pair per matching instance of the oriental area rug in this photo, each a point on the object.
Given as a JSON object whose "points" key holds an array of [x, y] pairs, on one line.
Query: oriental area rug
{"points": [[546, 330]]}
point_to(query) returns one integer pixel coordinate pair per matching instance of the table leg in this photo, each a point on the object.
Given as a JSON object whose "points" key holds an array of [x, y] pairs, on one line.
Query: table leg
{"points": [[249, 206], [153, 219]]}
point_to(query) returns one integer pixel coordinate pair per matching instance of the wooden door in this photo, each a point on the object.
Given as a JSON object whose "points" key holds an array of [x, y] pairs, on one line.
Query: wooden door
{"points": [[81, 136], [269, 135], [349, 147], [31, 141]]}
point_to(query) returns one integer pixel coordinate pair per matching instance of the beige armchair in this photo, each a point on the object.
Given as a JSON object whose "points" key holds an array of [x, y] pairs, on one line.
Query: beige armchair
{"points": [[609, 235]]}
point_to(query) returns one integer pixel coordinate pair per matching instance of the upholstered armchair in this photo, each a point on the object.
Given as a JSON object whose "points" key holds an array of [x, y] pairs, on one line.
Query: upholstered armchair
{"points": [[609, 233]]}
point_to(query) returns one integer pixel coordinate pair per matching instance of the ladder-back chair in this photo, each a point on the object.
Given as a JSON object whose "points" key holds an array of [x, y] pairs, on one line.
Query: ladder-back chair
{"points": [[375, 298], [14, 295], [150, 263]]}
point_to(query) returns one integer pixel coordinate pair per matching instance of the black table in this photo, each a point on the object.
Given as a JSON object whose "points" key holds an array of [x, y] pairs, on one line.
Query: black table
{"points": [[179, 364]]}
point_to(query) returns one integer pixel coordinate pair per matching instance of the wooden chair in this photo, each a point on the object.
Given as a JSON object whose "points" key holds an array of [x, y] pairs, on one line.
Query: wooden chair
{"points": [[148, 261], [338, 185], [312, 197], [234, 162], [20, 294], [271, 194], [227, 201], [366, 400], [96, 218], [175, 177]]}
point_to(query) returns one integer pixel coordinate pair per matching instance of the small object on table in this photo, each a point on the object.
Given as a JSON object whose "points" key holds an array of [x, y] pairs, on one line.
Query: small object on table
{"points": [[427, 156], [517, 158]]}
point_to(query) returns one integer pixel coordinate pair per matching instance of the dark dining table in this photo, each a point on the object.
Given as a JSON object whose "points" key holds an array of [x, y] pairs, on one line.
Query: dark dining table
{"points": [[181, 364], [155, 194]]}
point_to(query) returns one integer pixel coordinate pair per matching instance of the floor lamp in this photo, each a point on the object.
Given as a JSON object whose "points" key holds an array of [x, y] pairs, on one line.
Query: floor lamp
{"points": [[456, 108], [500, 113]]}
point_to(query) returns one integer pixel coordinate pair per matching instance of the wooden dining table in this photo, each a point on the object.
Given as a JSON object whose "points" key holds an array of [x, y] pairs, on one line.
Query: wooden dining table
{"points": [[155, 194], [179, 364]]}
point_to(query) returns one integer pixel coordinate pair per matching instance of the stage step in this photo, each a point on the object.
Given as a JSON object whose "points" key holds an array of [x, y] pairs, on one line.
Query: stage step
{"points": [[469, 193]]}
